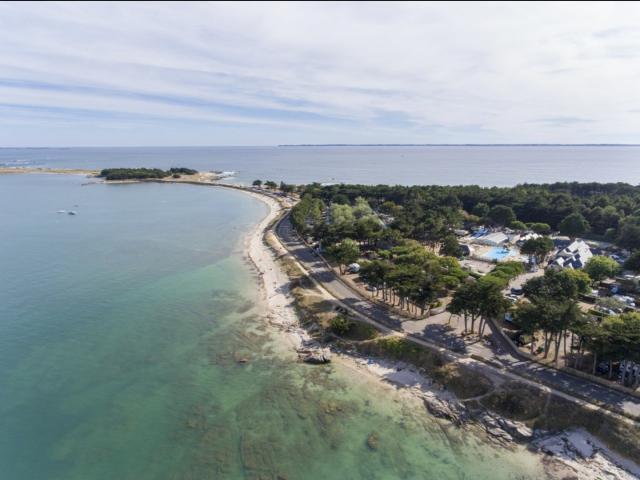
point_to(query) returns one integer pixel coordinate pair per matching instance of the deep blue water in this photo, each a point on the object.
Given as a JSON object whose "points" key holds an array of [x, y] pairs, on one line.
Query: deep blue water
{"points": [[441, 165]]}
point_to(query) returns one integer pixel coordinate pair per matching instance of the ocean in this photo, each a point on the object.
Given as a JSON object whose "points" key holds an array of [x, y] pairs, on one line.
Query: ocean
{"points": [[120, 331], [439, 165]]}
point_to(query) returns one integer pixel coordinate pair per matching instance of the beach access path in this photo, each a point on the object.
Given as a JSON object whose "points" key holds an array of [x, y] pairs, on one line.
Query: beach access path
{"points": [[499, 354]]}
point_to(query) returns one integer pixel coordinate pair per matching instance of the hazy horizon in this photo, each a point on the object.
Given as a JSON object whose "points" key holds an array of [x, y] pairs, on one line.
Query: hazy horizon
{"points": [[44, 147]]}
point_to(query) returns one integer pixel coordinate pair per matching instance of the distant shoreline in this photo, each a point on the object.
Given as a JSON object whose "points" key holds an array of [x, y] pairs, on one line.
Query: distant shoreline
{"points": [[462, 145], [60, 171], [100, 147]]}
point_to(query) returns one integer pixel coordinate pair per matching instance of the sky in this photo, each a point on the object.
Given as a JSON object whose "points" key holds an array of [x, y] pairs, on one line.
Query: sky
{"points": [[156, 74]]}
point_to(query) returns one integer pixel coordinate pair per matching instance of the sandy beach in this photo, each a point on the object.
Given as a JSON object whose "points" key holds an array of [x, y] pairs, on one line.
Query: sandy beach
{"points": [[569, 454], [274, 282]]}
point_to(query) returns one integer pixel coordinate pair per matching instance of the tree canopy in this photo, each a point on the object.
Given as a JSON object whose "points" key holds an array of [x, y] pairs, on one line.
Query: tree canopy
{"points": [[633, 262], [501, 215], [345, 252], [599, 268], [573, 225], [427, 213], [537, 247], [143, 173]]}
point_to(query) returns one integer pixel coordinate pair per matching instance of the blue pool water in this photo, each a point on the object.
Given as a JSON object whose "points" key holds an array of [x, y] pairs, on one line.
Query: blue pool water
{"points": [[499, 253]]}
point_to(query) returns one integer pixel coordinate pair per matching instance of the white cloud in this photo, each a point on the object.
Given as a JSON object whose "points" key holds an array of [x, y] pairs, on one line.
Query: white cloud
{"points": [[331, 72]]}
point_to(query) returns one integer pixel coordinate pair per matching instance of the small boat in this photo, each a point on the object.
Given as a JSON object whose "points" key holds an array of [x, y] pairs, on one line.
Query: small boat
{"points": [[72, 212]]}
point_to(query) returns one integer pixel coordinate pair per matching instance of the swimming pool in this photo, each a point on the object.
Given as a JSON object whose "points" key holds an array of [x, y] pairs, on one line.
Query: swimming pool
{"points": [[500, 253]]}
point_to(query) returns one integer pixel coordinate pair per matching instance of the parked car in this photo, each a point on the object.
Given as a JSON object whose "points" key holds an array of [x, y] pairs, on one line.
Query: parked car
{"points": [[629, 301], [603, 367], [516, 291]]}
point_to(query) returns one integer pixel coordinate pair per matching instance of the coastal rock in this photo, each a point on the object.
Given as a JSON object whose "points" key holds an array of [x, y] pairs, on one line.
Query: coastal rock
{"points": [[449, 410], [570, 444], [517, 430], [553, 446], [315, 356], [499, 434], [372, 441], [579, 444], [509, 428]]}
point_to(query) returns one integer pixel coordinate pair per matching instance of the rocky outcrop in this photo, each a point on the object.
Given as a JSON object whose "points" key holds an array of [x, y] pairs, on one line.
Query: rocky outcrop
{"points": [[571, 444], [315, 355], [505, 430], [450, 410], [499, 428]]}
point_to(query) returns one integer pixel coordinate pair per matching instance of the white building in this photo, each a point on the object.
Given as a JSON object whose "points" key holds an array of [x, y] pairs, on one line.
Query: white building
{"points": [[575, 256], [529, 236], [494, 239]]}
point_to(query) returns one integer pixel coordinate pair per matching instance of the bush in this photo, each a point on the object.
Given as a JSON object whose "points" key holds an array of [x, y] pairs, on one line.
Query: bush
{"points": [[340, 325], [610, 234], [506, 271], [450, 281], [540, 227]]}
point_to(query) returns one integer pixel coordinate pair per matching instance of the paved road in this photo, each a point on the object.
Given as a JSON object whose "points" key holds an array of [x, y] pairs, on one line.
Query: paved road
{"points": [[499, 353]]}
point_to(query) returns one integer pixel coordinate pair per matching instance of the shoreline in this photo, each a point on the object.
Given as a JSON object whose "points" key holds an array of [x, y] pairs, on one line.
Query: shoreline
{"points": [[273, 282], [49, 171], [574, 452]]}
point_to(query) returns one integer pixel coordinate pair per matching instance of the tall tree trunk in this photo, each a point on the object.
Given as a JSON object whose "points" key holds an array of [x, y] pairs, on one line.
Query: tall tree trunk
{"points": [[557, 350], [547, 342], [581, 352], [533, 335]]}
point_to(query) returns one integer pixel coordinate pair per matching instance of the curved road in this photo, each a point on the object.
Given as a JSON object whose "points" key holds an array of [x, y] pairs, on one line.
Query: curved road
{"points": [[558, 380]]}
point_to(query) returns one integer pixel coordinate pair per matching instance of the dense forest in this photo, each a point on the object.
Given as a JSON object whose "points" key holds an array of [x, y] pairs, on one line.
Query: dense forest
{"points": [[143, 173], [601, 211]]}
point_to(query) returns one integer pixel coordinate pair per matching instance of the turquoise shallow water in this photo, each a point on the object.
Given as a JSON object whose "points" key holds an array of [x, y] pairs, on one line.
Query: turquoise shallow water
{"points": [[120, 331]]}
